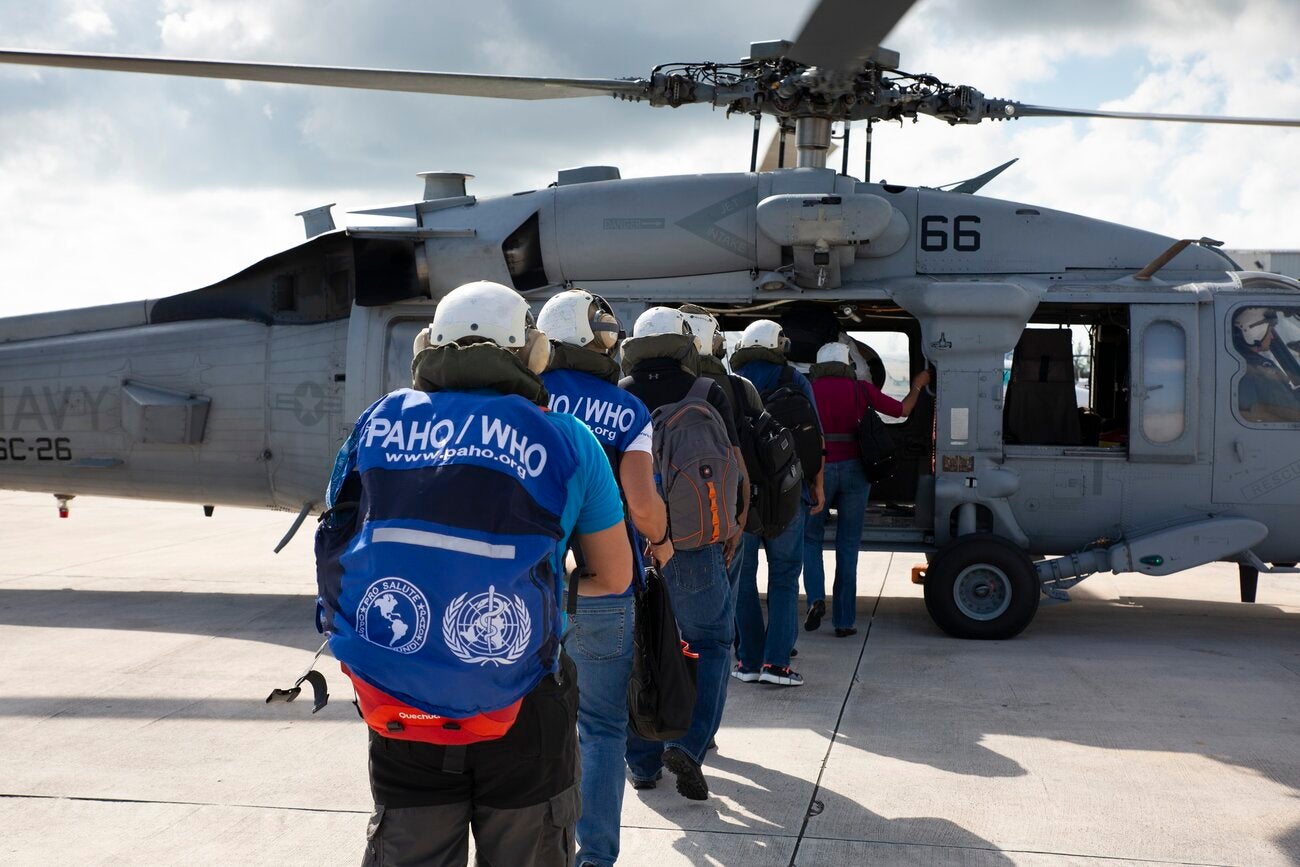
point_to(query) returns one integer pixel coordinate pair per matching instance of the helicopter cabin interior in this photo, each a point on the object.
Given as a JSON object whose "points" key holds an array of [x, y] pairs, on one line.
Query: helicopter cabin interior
{"points": [[1066, 391]]}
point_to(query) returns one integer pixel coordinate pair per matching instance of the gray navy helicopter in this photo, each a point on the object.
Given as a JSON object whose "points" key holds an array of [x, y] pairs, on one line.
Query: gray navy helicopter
{"points": [[1184, 450]]}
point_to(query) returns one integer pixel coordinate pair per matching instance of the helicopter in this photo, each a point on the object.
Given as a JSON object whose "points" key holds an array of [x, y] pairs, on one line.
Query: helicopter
{"points": [[240, 392]]}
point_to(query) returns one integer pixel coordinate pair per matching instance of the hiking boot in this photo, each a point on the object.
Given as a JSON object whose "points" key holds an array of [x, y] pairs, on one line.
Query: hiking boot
{"points": [[780, 676], [744, 675], [816, 611], [845, 632], [690, 779], [653, 782]]}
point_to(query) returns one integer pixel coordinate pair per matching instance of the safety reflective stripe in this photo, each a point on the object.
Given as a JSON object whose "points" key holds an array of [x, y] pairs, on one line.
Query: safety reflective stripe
{"points": [[426, 539]]}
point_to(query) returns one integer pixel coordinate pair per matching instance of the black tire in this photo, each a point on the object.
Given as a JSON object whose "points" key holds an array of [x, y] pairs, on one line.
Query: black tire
{"points": [[998, 592]]}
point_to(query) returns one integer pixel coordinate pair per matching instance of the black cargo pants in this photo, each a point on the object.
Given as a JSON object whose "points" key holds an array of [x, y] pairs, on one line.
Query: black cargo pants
{"points": [[518, 793]]}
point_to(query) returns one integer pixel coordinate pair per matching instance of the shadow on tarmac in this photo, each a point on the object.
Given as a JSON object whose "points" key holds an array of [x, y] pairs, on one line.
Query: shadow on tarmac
{"points": [[1108, 650], [696, 846], [274, 618]]}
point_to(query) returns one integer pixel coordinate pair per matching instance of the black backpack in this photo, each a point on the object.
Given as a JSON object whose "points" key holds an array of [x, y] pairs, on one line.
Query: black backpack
{"points": [[775, 475], [791, 407], [661, 690]]}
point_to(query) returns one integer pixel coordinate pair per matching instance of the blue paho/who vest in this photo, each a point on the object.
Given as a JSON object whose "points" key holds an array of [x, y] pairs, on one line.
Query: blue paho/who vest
{"points": [[441, 588]]}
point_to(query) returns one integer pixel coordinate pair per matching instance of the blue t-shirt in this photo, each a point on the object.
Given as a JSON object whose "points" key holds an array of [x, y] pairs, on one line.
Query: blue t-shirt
{"points": [[616, 418]]}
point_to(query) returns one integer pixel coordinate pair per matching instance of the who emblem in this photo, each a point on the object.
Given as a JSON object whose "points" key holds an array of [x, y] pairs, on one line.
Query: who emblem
{"points": [[490, 627]]}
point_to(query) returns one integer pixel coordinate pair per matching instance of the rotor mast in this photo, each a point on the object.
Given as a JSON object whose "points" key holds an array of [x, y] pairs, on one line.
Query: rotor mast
{"points": [[812, 140]]}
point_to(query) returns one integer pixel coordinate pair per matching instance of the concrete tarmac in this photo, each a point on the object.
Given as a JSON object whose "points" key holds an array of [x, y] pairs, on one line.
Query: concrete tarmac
{"points": [[1151, 721]]}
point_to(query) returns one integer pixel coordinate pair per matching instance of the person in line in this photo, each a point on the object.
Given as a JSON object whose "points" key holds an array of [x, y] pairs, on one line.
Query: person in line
{"points": [[440, 570], [583, 381], [765, 650], [743, 397], [842, 399], [663, 367]]}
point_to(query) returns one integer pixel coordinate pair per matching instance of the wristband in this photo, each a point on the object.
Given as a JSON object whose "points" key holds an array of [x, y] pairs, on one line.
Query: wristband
{"points": [[664, 539]]}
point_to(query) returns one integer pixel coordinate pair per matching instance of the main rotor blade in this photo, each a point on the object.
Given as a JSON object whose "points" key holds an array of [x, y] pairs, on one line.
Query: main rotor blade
{"points": [[840, 34], [1049, 111], [450, 83]]}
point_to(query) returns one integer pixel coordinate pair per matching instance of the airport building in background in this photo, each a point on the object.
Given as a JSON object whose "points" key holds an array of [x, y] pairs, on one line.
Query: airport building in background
{"points": [[1275, 261]]}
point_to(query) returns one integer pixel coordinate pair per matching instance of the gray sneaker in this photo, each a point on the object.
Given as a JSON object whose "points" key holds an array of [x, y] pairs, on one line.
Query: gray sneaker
{"points": [[745, 675], [778, 676]]}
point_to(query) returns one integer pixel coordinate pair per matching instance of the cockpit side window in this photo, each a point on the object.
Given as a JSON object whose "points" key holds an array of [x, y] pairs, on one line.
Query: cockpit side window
{"points": [[1267, 341]]}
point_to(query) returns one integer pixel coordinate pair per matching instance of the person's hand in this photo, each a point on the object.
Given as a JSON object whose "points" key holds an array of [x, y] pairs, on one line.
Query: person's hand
{"points": [[818, 495], [729, 548], [661, 554], [921, 380]]}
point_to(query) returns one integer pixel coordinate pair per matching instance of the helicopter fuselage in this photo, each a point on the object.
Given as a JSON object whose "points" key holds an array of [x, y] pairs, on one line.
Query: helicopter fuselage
{"points": [[241, 393]]}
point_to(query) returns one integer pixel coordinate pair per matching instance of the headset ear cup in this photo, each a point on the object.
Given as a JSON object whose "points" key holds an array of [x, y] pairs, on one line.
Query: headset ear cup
{"points": [[537, 351], [606, 336], [423, 340]]}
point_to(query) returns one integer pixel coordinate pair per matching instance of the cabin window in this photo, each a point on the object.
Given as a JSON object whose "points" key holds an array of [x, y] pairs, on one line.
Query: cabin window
{"points": [[1266, 339], [888, 359], [397, 354], [1164, 382]]}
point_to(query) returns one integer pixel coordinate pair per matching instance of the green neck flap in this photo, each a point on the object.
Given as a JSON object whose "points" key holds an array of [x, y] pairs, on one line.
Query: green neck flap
{"points": [[479, 365], [831, 368], [675, 347], [741, 357], [598, 364], [711, 365]]}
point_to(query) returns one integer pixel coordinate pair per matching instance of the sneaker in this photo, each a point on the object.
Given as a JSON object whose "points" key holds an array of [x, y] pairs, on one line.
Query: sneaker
{"points": [[690, 779], [653, 782], [744, 675], [780, 676], [845, 632], [816, 611]]}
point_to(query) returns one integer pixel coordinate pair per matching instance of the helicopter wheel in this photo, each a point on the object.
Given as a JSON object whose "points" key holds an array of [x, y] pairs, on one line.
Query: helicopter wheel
{"points": [[981, 586]]}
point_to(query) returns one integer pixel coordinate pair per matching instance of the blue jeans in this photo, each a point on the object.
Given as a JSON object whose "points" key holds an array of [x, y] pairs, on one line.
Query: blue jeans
{"points": [[846, 488], [770, 644], [701, 596], [600, 642]]}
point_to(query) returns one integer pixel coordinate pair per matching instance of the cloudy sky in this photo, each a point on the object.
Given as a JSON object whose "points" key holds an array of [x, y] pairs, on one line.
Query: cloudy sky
{"points": [[115, 187]]}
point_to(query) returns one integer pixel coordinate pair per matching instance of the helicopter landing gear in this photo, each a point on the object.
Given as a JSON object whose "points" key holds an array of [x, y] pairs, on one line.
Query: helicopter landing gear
{"points": [[981, 586], [63, 500], [1249, 577]]}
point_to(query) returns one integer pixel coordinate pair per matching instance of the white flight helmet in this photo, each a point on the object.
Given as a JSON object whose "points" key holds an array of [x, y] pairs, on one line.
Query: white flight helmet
{"points": [[661, 320], [578, 318], [1253, 323], [830, 352], [492, 312], [708, 337], [767, 334]]}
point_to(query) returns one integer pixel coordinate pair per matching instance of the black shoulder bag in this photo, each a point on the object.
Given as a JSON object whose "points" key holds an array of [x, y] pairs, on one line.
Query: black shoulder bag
{"points": [[875, 443], [661, 693]]}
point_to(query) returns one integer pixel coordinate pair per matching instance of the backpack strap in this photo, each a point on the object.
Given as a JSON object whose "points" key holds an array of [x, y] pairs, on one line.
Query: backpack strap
{"points": [[786, 376], [700, 388], [571, 592]]}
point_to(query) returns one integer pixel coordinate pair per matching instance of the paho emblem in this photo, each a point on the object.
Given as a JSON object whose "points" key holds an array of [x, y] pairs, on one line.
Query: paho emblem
{"points": [[393, 613], [490, 627]]}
